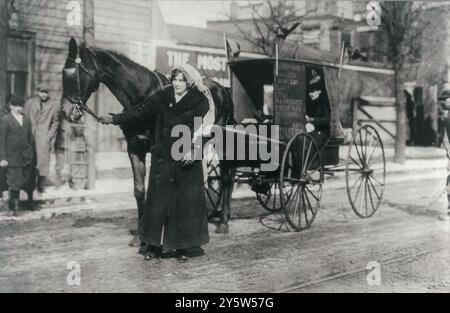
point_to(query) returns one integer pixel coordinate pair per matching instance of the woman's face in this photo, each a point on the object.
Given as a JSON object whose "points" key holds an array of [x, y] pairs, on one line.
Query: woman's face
{"points": [[179, 84]]}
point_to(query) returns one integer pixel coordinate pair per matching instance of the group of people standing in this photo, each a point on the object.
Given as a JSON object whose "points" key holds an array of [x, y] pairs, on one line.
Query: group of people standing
{"points": [[175, 215], [27, 134]]}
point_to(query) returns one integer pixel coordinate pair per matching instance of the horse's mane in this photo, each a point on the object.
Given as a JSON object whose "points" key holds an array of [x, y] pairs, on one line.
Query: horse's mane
{"points": [[123, 59]]}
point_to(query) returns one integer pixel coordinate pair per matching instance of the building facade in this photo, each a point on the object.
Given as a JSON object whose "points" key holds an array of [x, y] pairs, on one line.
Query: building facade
{"points": [[39, 32]]}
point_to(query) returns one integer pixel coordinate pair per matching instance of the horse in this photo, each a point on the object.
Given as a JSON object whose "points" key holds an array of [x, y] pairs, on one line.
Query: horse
{"points": [[132, 84]]}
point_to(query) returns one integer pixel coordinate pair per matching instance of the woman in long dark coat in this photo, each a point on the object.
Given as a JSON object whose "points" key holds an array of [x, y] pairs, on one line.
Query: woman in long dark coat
{"points": [[175, 214]]}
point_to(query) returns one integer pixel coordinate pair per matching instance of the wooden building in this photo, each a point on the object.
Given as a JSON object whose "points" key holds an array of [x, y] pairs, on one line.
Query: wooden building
{"points": [[40, 31]]}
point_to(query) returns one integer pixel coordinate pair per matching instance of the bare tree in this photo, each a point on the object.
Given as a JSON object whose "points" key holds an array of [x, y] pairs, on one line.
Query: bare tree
{"points": [[404, 26], [404, 36], [260, 30]]}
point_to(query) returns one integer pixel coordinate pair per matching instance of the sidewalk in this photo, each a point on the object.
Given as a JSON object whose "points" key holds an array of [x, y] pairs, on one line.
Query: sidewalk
{"points": [[115, 177]]}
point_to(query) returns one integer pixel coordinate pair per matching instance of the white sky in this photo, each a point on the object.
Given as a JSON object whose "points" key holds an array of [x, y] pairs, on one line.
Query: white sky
{"points": [[194, 13]]}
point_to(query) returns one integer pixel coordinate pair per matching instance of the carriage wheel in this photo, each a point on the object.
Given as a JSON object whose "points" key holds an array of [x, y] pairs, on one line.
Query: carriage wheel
{"points": [[365, 171], [272, 200], [302, 170], [213, 189]]}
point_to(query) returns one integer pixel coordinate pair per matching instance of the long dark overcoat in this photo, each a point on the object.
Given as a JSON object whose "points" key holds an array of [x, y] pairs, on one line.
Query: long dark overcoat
{"points": [[175, 212], [17, 147]]}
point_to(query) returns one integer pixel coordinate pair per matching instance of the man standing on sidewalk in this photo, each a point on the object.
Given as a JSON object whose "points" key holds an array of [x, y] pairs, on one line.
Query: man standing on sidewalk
{"points": [[444, 99], [4, 193], [17, 153], [44, 116]]}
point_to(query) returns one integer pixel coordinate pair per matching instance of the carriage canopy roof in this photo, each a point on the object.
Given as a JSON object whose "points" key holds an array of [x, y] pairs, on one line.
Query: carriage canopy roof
{"points": [[256, 88]]}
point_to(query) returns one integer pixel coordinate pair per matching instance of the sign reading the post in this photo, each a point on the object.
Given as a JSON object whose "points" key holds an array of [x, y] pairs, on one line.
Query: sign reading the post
{"points": [[210, 64], [289, 99]]}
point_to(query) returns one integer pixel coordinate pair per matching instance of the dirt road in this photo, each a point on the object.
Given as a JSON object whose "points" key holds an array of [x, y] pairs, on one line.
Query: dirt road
{"points": [[406, 243]]}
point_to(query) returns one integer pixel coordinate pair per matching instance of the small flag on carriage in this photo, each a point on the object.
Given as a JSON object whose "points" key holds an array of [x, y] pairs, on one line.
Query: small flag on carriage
{"points": [[281, 34], [233, 48]]}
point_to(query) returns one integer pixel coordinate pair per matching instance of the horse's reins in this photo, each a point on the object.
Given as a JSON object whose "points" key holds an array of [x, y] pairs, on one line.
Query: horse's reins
{"points": [[79, 105], [134, 107]]}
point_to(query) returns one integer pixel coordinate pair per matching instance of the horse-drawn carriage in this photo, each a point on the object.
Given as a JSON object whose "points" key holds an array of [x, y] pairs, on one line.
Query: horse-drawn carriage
{"points": [[301, 99]]}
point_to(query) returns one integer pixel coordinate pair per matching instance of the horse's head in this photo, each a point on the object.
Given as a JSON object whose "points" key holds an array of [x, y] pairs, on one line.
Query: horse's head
{"points": [[80, 78]]}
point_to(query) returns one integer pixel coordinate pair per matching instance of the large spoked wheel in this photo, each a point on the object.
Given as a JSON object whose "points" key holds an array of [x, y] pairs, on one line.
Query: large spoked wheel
{"points": [[271, 201], [365, 171], [301, 170], [213, 188]]}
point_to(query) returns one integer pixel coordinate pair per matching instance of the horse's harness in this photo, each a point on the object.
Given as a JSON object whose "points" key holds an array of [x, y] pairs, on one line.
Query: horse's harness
{"points": [[78, 104]]}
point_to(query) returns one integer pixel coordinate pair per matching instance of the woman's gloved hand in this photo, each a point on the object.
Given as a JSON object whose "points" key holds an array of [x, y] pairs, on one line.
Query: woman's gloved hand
{"points": [[310, 128], [106, 119]]}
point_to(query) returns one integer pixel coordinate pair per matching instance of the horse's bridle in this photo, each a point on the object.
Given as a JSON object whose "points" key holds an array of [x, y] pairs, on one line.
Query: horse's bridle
{"points": [[78, 104]]}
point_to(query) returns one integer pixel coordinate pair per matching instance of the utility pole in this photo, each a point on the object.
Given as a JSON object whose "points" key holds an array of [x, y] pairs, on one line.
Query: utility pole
{"points": [[91, 124], [4, 17]]}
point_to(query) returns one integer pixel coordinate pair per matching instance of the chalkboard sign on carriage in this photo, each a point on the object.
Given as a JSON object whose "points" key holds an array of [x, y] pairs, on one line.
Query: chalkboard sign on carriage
{"points": [[289, 98]]}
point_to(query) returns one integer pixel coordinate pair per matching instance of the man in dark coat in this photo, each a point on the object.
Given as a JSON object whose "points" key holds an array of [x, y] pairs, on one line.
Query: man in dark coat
{"points": [[17, 153], [175, 215], [44, 116], [317, 114], [444, 99], [317, 107]]}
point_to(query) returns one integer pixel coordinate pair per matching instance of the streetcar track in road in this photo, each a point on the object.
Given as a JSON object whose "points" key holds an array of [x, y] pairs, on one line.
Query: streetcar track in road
{"points": [[405, 258]]}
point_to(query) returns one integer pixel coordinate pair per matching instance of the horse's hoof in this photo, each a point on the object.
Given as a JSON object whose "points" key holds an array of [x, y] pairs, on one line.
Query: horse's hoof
{"points": [[215, 220], [225, 229], [135, 242], [221, 229], [215, 217]]}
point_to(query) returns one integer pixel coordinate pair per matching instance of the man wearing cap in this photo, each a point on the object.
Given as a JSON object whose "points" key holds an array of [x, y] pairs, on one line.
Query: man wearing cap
{"points": [[44, 116], [4, 193], [317, 108], [17, 153], [444, 100]]}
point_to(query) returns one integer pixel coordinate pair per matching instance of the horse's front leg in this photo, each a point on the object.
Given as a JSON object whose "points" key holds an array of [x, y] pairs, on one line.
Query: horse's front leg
{"points": [[138, 167], [227, 191]]}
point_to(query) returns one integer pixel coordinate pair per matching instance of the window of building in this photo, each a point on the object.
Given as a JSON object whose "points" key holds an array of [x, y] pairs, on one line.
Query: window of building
{"points": [[17, 83], [311, 36], [347, 39], [19, 70]]}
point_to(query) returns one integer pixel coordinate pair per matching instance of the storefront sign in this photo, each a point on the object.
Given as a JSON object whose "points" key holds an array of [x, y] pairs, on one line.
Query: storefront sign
{"points": [[209, 64]]}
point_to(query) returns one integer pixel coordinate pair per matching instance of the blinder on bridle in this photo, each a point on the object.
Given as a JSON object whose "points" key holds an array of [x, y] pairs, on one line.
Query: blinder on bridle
{"points": [[74, 83]]}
